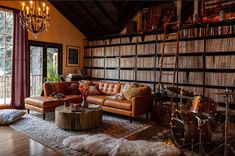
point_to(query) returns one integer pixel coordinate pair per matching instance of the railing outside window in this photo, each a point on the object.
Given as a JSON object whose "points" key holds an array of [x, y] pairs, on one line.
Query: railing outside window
{"points": [[5, 87]]}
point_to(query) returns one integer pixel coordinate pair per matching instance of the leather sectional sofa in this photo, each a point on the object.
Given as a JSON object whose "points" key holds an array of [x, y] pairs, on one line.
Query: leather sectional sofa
{"points": [[136, 106]]}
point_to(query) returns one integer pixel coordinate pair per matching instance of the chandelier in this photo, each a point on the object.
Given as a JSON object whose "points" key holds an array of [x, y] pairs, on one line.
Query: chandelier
{"points": [[33, 18]]}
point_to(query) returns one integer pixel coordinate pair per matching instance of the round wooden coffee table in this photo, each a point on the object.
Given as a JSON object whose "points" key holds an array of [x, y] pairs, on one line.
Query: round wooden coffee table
{"points": [[66, 119]]}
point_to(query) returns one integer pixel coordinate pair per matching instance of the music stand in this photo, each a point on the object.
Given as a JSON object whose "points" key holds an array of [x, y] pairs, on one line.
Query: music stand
{"points": [[225, 144]]}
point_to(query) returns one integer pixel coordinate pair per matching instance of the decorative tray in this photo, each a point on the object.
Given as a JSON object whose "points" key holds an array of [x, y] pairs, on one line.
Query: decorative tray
{"points": [[78, 110]]}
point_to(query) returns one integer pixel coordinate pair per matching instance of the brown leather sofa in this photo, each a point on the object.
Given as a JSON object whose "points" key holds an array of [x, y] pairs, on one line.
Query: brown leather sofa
{"points": [[136, 106]]}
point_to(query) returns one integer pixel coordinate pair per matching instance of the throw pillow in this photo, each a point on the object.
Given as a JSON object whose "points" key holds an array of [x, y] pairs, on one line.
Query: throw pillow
{"points": [[51, 88], [8, 116], [93, 90], [125, 88], [136, 91], [73, 89]]}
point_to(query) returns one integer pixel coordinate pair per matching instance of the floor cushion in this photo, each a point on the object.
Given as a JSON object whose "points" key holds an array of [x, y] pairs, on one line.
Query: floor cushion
{"points": [[8, 116]]}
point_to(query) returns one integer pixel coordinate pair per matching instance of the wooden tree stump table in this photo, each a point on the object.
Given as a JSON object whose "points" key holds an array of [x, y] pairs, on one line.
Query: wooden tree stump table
{"points": [[89, 118]]}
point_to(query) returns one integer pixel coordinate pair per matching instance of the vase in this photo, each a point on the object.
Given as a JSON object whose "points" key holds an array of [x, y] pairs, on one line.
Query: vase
{"points": [[84, 103]]}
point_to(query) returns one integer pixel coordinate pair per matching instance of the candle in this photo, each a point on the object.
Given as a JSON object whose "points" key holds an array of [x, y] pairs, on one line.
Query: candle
{"points": [[43, 6], [27, 10], [47, 10], [31, 4], [39, 11], [23, 6]]}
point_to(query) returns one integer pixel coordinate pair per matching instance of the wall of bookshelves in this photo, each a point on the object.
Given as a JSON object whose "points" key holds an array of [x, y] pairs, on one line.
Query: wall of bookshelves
{"points": [[206, 59]]}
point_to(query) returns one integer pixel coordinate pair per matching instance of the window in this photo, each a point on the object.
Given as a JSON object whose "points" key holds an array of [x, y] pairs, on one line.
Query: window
{"points": [[6, 49]]}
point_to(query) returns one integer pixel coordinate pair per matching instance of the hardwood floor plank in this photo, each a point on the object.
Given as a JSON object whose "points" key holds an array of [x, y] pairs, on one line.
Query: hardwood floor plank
{"points": [[14, 143]]}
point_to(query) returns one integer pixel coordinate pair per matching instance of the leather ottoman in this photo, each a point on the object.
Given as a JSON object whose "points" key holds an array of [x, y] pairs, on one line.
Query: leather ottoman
{"points": [[42, 104]]}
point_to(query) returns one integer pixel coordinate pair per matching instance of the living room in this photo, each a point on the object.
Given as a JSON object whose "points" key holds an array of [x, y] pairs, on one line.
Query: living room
{"points": [[117, 77]]}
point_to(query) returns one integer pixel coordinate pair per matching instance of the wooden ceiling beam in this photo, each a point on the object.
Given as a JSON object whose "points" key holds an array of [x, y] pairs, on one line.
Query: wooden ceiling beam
{"points": [[94, 19], [100, 7], [122, 6]]}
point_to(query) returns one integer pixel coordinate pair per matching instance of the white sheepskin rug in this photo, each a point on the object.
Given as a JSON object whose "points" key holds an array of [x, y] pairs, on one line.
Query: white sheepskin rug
{"points": [[101, 144]]}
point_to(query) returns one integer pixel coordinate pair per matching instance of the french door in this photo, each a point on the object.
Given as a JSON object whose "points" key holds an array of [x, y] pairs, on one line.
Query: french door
{"points": [[45, 61]]}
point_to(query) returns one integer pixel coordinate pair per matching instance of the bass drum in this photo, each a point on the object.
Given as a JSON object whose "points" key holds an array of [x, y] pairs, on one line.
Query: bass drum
{"points": [[184, 129]]}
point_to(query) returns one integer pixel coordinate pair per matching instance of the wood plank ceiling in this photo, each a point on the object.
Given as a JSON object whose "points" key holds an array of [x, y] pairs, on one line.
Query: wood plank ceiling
{"points": [[97, 18]]}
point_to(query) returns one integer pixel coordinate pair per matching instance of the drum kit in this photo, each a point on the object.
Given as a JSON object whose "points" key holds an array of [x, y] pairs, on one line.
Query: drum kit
{"points": [[194, 124]]}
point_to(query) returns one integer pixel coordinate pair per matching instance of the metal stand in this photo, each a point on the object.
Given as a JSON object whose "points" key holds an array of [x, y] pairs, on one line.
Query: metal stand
{"points": [[200, 123], [225, 144]]}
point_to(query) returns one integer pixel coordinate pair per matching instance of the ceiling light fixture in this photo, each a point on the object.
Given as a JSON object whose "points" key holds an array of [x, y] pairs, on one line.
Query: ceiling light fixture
{"points": [[34, 18]]}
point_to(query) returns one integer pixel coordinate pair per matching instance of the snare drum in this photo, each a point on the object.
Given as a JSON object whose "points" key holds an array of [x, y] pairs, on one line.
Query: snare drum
{"points": [[184, 128]]}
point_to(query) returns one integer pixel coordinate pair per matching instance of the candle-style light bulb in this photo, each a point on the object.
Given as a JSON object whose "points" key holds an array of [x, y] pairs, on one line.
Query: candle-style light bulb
{"points": [[31, 4], [47, 10], [39, 11], [43, 6], [23, 6], [27, 10]]}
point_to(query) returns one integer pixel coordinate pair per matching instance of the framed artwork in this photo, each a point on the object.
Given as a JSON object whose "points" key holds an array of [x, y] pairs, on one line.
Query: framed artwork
{"points": [[72, 56]]}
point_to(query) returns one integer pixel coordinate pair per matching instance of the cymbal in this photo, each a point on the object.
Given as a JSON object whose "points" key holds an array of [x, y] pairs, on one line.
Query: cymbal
{"points": [[224, 93], [181, 91]]}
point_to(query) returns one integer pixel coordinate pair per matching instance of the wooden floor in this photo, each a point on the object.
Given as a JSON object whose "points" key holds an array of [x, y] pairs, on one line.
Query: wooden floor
{"points": [[14, 143]]}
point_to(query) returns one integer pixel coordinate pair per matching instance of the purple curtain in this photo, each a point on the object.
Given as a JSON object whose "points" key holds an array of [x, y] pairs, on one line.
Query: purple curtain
{"points": [[20, 64]]}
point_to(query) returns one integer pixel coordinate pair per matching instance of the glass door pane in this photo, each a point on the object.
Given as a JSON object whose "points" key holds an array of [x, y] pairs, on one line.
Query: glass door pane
{"points": [[36, 70], [52, 62]]}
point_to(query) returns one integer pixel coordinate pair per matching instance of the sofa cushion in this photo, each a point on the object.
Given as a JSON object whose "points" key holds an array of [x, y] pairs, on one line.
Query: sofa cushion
{"points": [[44, 102], [120, 104], [109, 88], [134, 91], [96, 99]]}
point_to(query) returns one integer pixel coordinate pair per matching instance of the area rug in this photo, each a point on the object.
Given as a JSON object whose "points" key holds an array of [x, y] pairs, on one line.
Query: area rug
{"points": [[46, 132]]}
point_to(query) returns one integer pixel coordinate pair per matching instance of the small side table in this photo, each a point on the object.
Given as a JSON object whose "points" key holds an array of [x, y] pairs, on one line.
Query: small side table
{"points": [[91, 117]]}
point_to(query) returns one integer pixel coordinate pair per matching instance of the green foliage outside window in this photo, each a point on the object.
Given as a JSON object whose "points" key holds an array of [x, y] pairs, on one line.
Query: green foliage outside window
{"points": [[52, 75]]}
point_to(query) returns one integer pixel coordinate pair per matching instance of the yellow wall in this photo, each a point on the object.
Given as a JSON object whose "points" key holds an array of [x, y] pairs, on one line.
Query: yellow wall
{"points": [[60, 31]]}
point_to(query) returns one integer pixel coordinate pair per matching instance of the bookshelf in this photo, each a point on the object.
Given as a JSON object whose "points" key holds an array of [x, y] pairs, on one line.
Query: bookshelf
{"points": [[206, 58]]}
